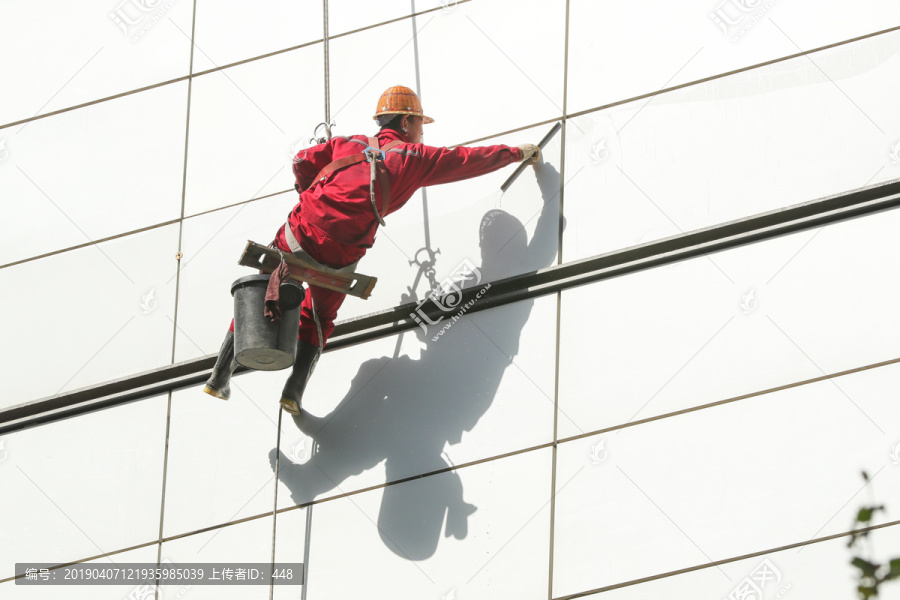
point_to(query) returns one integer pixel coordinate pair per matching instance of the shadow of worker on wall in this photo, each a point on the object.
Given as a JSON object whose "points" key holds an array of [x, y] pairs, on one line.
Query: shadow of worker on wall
{"points": [[403, 411]]}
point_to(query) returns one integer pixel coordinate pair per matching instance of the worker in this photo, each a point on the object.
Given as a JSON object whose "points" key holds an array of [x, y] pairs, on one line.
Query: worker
{"points": [[347, 186]]}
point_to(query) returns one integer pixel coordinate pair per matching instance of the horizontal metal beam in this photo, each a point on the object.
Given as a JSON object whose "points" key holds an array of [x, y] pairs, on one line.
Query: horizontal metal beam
{"points": [[809, 215], [839, 207]]}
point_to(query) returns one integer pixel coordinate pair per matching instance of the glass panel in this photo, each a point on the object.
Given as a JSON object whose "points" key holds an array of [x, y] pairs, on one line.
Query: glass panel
{"points": [[755, 474], [357, 80], [523, 82], [730, 148], [347, 15], [465, 534], [291, 534], [114, 167], [246, 122], [244, 542], [232, 30], [395, 408], [218, 468], [661, 44], [519, 52], [70, 53], [212, 244], [817, 571], [82, 486], [87, 316], [736, 322]]}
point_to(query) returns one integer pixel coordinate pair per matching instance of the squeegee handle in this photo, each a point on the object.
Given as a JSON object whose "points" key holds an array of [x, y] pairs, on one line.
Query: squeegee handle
{"points": [[534, 159]]}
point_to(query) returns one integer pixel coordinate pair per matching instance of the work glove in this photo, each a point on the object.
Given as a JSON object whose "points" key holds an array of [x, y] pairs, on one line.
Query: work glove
{"points": [[530, 151]]}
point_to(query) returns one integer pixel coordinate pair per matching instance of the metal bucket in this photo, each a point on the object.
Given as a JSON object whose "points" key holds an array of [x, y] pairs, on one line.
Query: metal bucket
{"points": [[258, 343]]}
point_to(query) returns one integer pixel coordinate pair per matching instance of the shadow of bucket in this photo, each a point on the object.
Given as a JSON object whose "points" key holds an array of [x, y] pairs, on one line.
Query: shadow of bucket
{"points": [[258, 343]]}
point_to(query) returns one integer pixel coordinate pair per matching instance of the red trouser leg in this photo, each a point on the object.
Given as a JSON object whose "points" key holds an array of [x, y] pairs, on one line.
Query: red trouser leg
{"points": [[327, 303]]}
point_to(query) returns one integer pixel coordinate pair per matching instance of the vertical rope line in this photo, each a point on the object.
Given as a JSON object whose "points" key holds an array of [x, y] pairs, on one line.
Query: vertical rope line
{"points": [[308, 536], [419, 92], [309, 510], [326, 57], [187, 131], [559, 251], [425, 218], [275, 504]]}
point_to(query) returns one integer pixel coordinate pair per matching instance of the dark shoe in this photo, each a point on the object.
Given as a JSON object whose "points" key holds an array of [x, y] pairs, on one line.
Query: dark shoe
{"points": [[304, 364], [219, 383]]}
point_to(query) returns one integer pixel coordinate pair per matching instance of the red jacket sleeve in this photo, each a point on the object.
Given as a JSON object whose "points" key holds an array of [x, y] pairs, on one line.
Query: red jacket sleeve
{"points": [[443, 165], [308, 163]]}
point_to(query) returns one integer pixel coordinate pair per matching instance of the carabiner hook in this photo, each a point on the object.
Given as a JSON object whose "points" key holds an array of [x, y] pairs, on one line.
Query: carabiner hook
{"points": [[327, 126]]}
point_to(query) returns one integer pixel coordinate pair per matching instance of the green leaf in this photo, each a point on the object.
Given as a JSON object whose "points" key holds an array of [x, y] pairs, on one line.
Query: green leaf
{"points": [[867, 512], [868, 569], [866, 592], [894, 571]]}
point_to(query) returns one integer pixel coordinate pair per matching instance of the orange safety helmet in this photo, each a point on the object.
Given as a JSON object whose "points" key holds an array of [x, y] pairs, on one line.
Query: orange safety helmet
{"points": [[399, 100]]}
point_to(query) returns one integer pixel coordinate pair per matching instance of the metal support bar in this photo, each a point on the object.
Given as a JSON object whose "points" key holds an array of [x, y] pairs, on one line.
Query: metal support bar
{"points": [[809, 215], [832, 209], [267, 260]]}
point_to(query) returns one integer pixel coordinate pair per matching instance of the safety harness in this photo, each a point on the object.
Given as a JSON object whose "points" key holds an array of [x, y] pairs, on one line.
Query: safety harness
{"points": [[375, 157], [303, 267]]}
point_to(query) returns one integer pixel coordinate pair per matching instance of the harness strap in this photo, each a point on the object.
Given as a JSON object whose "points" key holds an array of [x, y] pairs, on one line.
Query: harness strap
{"points": [[335, 165], [375, 156], [350, 160], [381, 171]]}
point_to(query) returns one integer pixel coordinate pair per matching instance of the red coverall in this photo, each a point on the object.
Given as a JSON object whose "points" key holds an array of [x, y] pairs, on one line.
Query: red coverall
{"points": [[334, 221]]}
